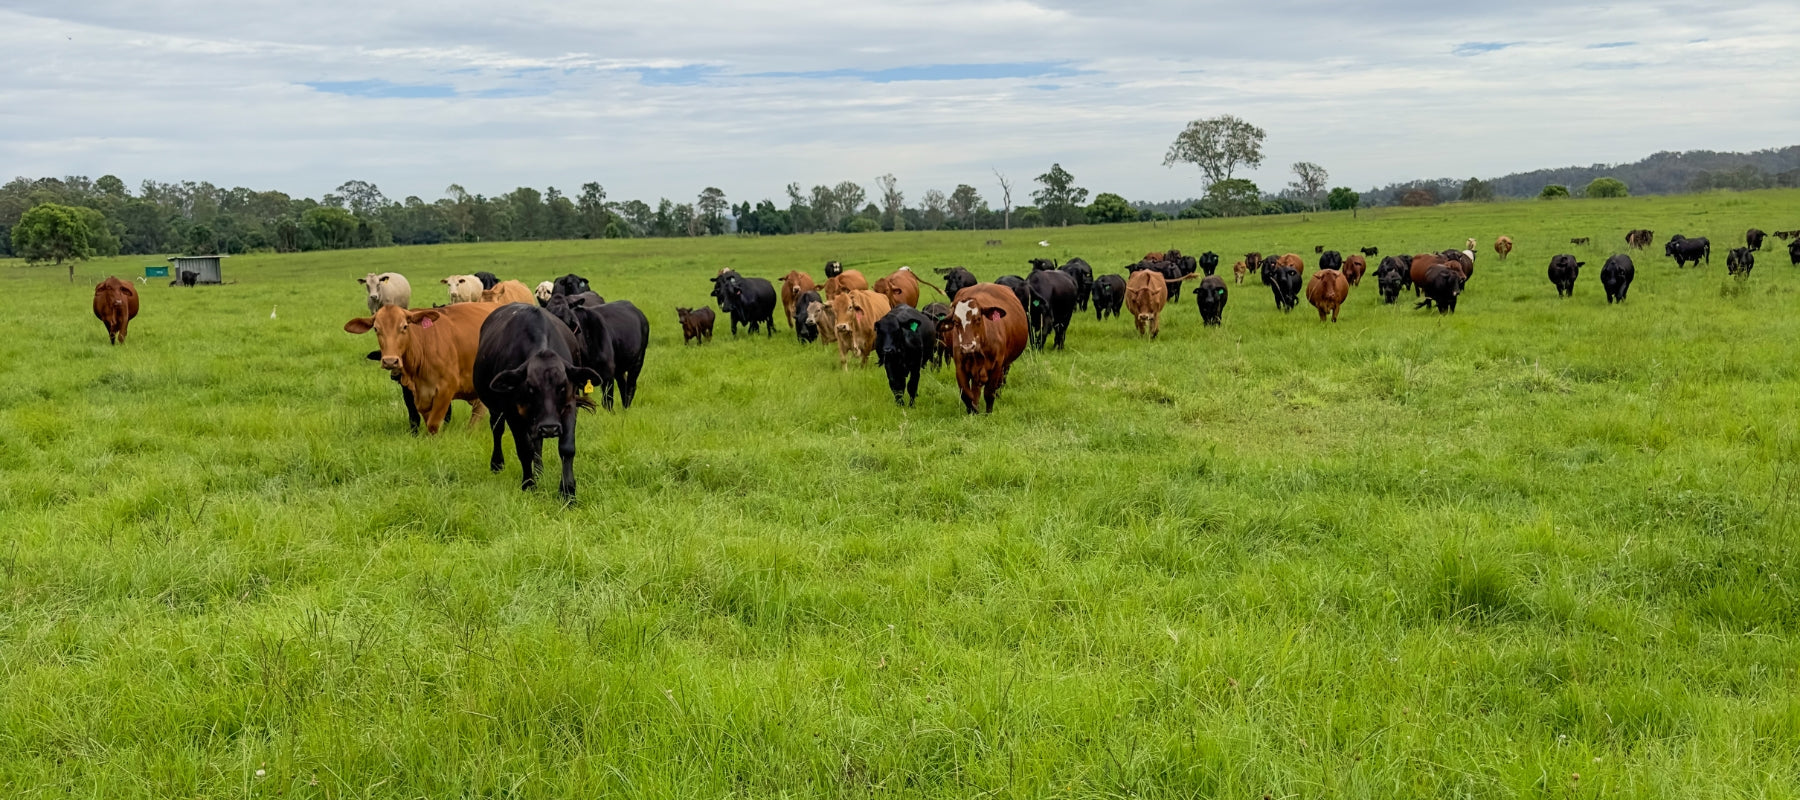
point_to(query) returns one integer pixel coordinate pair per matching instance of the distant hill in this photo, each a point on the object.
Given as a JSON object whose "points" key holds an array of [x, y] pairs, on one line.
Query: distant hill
{"points": [[1662, 173]]}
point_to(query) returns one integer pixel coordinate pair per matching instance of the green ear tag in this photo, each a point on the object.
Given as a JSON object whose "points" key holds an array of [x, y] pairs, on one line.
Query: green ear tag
{"points": [[913, 327]]}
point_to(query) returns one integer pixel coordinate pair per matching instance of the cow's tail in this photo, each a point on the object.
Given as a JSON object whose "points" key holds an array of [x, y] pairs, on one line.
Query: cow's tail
{"points": [[1707, 251], [923, 282]]}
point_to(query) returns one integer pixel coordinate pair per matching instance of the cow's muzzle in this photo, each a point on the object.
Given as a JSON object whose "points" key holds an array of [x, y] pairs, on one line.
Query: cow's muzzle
{"points": [[549, 430], [390, 362]]}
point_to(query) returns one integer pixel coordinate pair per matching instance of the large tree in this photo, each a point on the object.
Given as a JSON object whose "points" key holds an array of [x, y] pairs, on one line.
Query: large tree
{"points": [[1109, 207], [1217, 146], [1607, 187], [1233, 197], [709, 211], [1309, 180], [827, 211], [962, 204], [893, 201], [361, 196], [850, 198], [934, 208], [1060, 200], [592, 206], [1476, 190], [53, 232]]}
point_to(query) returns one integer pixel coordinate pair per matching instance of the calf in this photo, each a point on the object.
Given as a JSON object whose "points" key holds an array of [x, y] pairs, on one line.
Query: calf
{"points": [[463, 288], [1284, 282], [1238, 271], [1253, 261], [1210, 295], [988, 334], [115, 305], [1564, 269], [806, 329], [1503, 246], [1331, 259], [856, 311], [432, 350], [904, 340], [1615, 277], [1371, 252], [1052, 296], [1354, 267], [1318, 249], [1739, 261], [610, 339], [1109, 294], [824, 320], [1579, 241], [525, 370], [1209, 262], [1684, 250], [1469, 243], [1083, 273], [794, 284], [696, 324], [1327, 291], [507, 292], [1754, 238], [1442, 286], [940, 317], [386, 289], [956, 279]]}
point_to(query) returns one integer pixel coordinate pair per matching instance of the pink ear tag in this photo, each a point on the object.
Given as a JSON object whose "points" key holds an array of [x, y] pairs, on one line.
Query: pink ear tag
{"points": [[425, 323]]}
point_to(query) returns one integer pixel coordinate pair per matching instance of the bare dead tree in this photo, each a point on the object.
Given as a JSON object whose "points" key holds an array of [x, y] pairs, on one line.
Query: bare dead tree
{"points": [[1005, 196]]}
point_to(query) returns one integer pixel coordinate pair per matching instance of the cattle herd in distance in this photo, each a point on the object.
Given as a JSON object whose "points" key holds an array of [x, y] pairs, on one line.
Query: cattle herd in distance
{"points": [[532, 358]]}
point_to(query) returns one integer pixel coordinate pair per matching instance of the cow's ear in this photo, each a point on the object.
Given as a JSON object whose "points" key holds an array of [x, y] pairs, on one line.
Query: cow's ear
{"points": [[360, 325], [508, 381], [363, 281], [581, 376], [994, 313], [419, 316]]}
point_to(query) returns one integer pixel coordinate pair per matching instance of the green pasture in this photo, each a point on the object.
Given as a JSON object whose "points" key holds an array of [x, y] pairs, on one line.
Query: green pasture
{"points": [[1538, 548]]}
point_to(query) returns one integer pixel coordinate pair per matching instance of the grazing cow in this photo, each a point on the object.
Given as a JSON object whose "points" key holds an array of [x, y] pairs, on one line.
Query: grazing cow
{"points": [[507, 292], [823, 320], [1579, 241], [432, 350], [1210, 296], [956, 279], [1794, 252], [696, 324], [1442, 286], [1615, 277], [1017, 285], [1039, 264], [1209, 262], [856, 311], [1318, 249], [1238, 271], [1503, 246], [526, 372], [1564, 269], [988, 333], [904, 340], [1638, 238], [1684, 250], [1052, 303], [806, 329], [544, 292], [570, 284], [387, 289], [1786, 235], [115, 305], [1083, 273], [1391, 277], [1109, 294], [902, 287], [794, 284], [1354, 267], [846, 280], [1371, 252], [610, 339], [1739, 261], [487, 279], [1754, 238], [1469, 244], [1327, 291], [834, 269], [463, 288], [1145, 295], [1331, 259], [749, 301]]}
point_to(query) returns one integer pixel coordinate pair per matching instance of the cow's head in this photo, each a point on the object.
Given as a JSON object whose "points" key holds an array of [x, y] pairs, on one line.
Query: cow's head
{"points": [[971, 322], [853, 311], [544, 292], [463, 287], [545, 391], [394, 328]]}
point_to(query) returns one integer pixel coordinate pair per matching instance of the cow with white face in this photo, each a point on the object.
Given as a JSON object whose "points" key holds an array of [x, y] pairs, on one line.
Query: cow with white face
{"points": [[988, 332]]}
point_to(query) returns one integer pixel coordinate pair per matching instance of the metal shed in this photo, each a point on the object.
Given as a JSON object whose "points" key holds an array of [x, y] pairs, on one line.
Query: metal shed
{"points": [[206, 266]]}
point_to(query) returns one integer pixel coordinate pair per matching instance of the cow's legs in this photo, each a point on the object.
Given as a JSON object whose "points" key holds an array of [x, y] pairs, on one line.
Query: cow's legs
{"points": [[412, 409], [1062, 330], [437, 407], [526, 447], [565, 449], [497, 461], [912, 385]]}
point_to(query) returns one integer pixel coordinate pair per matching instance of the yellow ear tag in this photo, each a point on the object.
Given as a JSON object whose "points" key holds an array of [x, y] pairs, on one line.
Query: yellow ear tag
{"points": [[588, 389]]}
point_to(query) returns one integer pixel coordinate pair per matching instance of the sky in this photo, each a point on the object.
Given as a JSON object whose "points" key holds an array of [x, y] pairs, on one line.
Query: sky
{"points": [[662, 99]]}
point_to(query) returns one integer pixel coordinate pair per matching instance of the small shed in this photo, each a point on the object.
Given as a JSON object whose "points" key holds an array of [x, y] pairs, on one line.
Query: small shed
{"points": [[207, 268]]}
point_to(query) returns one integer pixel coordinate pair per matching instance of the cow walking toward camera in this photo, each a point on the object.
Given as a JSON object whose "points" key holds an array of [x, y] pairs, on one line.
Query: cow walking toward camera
{"points": [[1615, 277], [904, 341], [987, 333], [386, 289], [1210, 295], [432, 352], [526, 374], [696, 324], [115, 305], [1327, 291]]}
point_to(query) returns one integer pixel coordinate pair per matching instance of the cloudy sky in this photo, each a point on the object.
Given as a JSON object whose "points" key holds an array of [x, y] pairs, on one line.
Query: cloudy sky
{"points": [[655, 98]]}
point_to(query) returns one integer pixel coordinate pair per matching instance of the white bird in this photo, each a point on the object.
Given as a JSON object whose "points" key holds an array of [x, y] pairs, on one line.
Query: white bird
{"points": [[272, 311], [1043, 244]]}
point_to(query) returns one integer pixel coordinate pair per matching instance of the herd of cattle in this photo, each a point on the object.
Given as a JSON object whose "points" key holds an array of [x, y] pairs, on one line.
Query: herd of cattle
{"points": [[532, 357]]}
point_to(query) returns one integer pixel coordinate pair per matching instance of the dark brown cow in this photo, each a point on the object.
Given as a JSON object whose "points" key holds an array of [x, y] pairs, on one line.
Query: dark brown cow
{"points": [[1253, 261], [989, 332], [433, 352], [1579, 240], [115, 305], [845, 281], [1327, 291], [1639, 238], [793, 285], [1423, 262], [696, 323], [1354, 267]]}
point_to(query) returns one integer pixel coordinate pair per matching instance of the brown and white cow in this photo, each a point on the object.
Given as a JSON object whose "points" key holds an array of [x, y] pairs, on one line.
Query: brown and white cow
{"points": [[1327, 291], [432, 350], [847, 280], [115, 305], [988, 333], [856, 311], [794, 284], [508, 292]]}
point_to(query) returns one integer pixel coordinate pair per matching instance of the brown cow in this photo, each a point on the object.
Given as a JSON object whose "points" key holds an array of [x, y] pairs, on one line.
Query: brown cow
{"points": [[1354, 267], [845, 281], [989, 333], [1425, 261], [1295, 261], [1146, 292], [1156, 257], [696, 323], [1503, 246], [902, 287], [1238, 270], [1327, 292], [856, 311], [115, 305], [1470, 243], [794, 284], [433, 352], [1638, 238], [508, 292], [1253, 261]]}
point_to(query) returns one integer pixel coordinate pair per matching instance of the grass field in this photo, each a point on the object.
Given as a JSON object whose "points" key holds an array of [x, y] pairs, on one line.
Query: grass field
{"points": [[1539, 548]]}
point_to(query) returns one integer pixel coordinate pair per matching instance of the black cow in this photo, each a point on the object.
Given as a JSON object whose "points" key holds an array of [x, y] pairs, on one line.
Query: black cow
{"points": [[1284, 282], [1184, 265], [1564, 269], [570, 284], [1794, 252], [1615, 277], [1052, 294], [526, 375], [487, 280], [612, 337], [1371, 252], [956, 279], [1170, 271], [1683, 250], [939, 314], [1331, 259], [904, 340], [805, 329], [1754, 238], [1442, 286], [1040, 264], [1211, 297], [1739, 261], [1209, 262], [749, 301], [1109, 295], [1017, 285], [1083, 274], [1392, 276]]}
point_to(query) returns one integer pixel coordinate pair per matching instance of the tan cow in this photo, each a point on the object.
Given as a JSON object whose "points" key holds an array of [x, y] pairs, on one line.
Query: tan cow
{"points": [[1470, 244], [1327, 292], [856, 311], [463, 288], [845, 281], [794, 284], [825, 320], [432, 350], [1503, 246], [508, 292], [1238, 271], [1146, 292]]}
